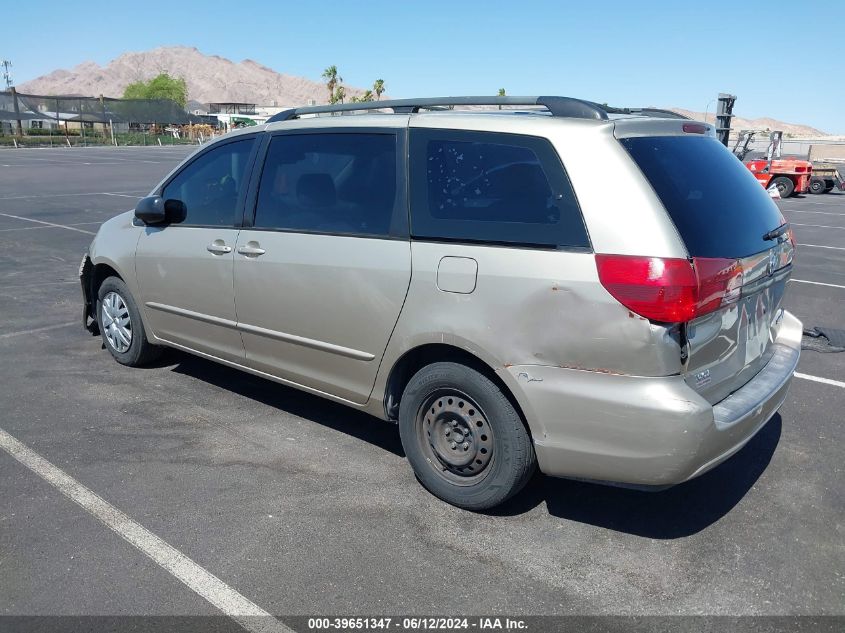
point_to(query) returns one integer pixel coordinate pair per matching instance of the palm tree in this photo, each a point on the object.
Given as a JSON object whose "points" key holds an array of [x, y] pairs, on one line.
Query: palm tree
{"points": [[501, 92], [339, 94], [332, 79], [378, 88], [367, 96]]}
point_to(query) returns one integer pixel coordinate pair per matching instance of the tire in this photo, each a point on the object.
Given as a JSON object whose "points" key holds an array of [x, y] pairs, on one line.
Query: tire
{"points": [[817, 185], [785, 186], [465, 441], [828, 189], [114, 300]]}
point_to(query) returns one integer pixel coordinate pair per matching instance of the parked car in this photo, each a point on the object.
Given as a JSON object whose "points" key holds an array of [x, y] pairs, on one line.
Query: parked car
{"points": [[594, 291]]}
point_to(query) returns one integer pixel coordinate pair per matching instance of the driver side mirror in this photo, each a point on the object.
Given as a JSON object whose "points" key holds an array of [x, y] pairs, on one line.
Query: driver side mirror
{"points": [[175, 211], [157, 210]]}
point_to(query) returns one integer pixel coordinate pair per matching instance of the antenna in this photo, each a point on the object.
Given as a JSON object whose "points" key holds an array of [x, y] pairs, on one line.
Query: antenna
{"points": [[7, 74]]}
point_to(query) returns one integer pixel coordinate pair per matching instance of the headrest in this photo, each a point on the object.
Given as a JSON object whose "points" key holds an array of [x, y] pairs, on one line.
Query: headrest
{"points": [[316, 190]]}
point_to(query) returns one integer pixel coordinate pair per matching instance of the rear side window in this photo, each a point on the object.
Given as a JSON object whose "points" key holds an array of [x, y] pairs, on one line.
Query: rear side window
{"points": [[329, 183], [210, 185], [491, 187], [718, 207]]}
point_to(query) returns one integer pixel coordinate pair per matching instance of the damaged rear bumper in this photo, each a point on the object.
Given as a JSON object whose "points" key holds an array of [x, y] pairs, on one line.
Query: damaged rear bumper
{"points": [[647, 431]]}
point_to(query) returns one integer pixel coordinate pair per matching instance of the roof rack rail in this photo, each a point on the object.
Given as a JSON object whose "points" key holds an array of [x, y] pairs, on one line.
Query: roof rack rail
{"points": [[557, 106]]}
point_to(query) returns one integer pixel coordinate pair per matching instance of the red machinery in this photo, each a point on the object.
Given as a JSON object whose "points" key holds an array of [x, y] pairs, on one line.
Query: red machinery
{"points": [[789, 175]]}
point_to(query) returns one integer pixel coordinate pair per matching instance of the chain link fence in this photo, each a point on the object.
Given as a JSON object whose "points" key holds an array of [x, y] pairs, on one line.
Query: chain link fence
{"points": [[49, 121]]}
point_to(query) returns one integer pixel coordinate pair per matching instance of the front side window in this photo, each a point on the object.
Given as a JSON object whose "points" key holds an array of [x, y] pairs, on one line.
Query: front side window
{"points": [[329, 183], [492, 187], [211, 184]]}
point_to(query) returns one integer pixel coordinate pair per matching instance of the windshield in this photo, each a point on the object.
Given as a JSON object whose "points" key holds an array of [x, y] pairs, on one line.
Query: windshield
{"points": [[718, 207]]}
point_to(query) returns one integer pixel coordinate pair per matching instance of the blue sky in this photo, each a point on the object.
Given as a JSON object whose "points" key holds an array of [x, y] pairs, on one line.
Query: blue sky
{"points": [[623, 53]]}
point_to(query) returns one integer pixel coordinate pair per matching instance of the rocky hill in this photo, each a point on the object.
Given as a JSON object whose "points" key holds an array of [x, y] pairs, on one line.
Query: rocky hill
{"points": [[210, 78], [764, 123]]}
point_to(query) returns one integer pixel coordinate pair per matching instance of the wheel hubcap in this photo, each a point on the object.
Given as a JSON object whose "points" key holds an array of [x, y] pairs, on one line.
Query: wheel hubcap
{"points": [[456, 436], [114, 318]]}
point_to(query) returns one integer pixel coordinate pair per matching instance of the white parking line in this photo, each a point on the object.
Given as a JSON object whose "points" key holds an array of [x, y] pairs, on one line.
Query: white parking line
{"points": [[201, 581], [46, 328], [36, 228], [61, 226], [835, 248], [816, 283], [825, 203], [67, 195], [826, 381], [816, 212], [820, 226]]}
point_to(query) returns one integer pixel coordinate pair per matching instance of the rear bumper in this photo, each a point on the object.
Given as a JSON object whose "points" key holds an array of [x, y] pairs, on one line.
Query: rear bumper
{"points": [[647, 431]]}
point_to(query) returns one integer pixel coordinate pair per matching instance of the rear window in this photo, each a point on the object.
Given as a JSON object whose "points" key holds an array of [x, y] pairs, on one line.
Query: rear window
{"points": [[492, 187], [718, 207]]}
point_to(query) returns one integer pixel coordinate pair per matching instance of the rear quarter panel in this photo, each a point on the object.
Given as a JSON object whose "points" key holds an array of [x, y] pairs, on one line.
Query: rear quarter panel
{"points": [[529, 307]]}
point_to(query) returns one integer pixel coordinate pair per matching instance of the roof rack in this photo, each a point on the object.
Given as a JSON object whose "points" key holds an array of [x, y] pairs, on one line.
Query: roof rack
{"points": [[557, 106]]}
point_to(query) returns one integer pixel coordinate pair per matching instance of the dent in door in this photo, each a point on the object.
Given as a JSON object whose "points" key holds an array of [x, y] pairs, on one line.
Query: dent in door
{"points": [[457, 274]]}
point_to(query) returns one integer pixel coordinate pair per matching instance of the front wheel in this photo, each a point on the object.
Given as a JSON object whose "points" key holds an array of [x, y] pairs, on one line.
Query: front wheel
{"points": [[465, 441], [121, 327], [785, 186]]}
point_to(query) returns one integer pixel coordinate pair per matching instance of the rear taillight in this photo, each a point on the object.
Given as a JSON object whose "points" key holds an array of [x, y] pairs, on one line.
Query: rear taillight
{"points": [[669, 290]]}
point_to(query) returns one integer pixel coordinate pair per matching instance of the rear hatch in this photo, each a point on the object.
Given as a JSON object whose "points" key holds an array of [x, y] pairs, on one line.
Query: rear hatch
{"points": [[740, 249]]}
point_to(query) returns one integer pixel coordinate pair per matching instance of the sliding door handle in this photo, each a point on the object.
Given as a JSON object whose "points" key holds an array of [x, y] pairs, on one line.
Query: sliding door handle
{"points": [[251, 248]]}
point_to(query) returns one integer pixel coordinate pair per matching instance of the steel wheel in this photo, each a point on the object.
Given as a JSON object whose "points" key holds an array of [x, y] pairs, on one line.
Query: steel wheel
{"points": [[455, 436], [114, 318]]}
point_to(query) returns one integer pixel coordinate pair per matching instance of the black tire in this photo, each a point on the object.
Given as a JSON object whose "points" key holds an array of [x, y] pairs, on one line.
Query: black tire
{"points": [[817, 185], [451, 401], [139, 351], [785, 186]]}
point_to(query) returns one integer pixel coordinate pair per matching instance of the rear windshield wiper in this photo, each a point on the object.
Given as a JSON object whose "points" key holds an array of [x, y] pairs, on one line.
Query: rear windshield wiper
{"points": [[775, 233]]}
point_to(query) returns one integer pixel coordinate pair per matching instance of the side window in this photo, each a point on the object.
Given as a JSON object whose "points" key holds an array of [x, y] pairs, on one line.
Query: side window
{"points": [[329, 183], [491, 187], [210, 185]]}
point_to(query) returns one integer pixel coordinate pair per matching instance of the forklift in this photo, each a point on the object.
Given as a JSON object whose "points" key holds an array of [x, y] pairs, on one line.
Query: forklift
{"points": [[789, 175]]}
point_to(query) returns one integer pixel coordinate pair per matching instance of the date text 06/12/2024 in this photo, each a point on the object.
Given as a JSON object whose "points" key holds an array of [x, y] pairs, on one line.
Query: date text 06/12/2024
{"points": [[415, 623]]}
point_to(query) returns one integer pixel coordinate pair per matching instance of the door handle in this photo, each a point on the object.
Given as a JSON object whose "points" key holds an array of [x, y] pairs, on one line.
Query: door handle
{"points": [[251, 248], [218, 247]]}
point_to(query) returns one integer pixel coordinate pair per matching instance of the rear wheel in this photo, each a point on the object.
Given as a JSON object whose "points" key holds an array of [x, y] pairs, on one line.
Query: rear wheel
{"points": [[785, 186], [464, 439], [817, 185], [121, 327]]}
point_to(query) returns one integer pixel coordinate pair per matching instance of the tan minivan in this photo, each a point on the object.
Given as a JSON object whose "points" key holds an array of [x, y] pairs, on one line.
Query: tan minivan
{"points": [[590, 290]]}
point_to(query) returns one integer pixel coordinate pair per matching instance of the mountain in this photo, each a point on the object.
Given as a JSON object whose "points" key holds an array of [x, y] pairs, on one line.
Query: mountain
{"points": [[210, 78], [764, 123]]}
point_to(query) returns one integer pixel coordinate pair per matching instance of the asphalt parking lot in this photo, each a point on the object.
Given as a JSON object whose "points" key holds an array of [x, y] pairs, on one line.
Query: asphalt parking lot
{"points": [[305, 507]]}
